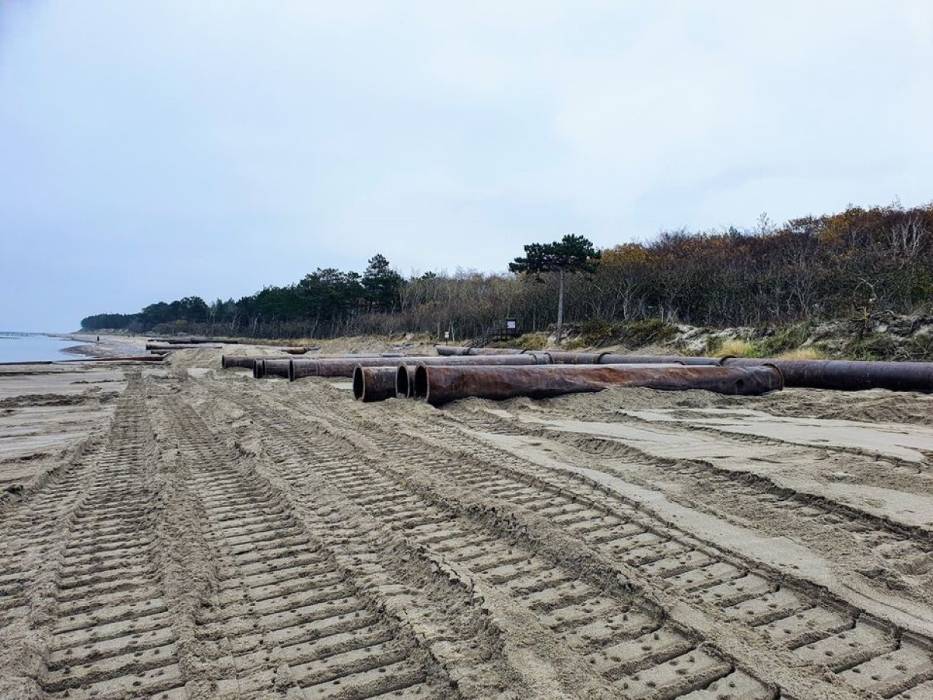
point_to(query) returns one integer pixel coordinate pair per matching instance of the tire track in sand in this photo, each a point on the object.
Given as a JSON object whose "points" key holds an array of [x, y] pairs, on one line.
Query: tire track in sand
{"points": [[105, 625], [867, 653], [620, 635], [286, 616]]}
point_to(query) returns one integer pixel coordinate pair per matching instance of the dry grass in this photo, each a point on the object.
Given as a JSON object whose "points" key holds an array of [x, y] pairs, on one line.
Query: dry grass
{"points": [[808, 353], [736, 348]]}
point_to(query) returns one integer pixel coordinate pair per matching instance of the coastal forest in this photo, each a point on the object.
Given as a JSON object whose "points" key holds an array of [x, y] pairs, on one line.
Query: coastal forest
{"points": [[856, 262]]}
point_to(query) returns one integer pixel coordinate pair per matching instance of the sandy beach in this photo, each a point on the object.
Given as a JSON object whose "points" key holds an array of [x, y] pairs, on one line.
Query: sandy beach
{"points": [[177, 530]]}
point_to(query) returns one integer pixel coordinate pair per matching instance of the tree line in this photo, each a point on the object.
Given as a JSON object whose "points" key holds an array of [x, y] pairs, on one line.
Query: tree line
{"points": [[859, 261]]}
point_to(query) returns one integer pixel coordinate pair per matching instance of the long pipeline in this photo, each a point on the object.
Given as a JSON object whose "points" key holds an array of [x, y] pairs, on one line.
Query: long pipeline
{"points": [[848, 375], [448, 350], [344, 368], [439, 384], [611, 358]]}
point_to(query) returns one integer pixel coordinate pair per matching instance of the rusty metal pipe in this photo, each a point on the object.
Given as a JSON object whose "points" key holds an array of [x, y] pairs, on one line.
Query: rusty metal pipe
{"points": [[848, 375], [272, 368], [439, 384], [610, 358], [228, 361], [374, 383], [448, 350], [180, 346], [344, 368]]}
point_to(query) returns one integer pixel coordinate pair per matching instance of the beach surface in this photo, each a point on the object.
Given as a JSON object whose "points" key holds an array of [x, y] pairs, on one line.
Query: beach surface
{"points": [[177, 530]]}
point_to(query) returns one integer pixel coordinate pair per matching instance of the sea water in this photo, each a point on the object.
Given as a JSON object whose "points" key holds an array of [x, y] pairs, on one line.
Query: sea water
{"points": [[24, 347]]}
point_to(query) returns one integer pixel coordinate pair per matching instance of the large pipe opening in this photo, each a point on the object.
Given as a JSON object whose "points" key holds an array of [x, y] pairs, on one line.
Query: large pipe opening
{"points": [[358, 385], [421, 383], [402, 387]]}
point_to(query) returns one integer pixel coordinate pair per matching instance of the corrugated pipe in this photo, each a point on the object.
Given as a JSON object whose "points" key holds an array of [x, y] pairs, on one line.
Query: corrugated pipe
{"points": [[439, 384], [374, 383], [848, 375]]}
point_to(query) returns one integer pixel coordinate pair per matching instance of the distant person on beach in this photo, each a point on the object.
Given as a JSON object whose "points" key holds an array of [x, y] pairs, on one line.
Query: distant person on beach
{"points": [[98, 339]]}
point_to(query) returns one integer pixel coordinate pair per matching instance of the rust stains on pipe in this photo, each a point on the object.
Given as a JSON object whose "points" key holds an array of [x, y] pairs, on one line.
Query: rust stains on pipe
{"points": [[848, 375], [448, 350], [374, 383], [344, 368], [610, 358], [270, 367], [228, 361], [439, 384]]}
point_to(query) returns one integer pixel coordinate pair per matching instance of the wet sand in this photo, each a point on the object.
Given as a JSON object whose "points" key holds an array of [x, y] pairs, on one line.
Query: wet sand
{"points": [[183, 531]]}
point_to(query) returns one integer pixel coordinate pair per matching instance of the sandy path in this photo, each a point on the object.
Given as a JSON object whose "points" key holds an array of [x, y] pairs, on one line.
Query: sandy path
{"points": [[215, 535]]}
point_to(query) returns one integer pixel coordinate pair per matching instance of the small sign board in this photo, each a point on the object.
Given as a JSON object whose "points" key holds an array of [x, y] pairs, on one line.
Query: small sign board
{"points": [[511, 324], [446, 335]]}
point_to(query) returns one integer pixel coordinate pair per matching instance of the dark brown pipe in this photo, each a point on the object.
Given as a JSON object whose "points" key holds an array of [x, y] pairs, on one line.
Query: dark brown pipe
{"points": [[609, 358], [271, 368], [848, 375], [438, 385], [344, 368], [192, 341], [180, 346], [374, 383], [134, 358], [448, 350], [227, 361], [574, 358]]}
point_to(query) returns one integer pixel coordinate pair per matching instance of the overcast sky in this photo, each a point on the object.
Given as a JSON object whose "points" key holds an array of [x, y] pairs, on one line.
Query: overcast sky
{"points": [[150, 150]]}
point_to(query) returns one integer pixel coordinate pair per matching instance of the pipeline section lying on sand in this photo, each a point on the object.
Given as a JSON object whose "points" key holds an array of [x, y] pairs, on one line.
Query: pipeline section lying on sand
{"points": [[448, 350], [374, 383], [439, 384], [180, 346], [559, 357], [847, 375], [336, 367], [228, 361], [272, 368]]}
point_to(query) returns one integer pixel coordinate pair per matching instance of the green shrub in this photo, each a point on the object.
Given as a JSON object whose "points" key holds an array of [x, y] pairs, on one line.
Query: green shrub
{"points": [[784, 340], [652, 331], [596, 332]]}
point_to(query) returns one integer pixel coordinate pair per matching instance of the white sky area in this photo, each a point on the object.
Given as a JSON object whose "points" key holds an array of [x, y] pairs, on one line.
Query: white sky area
{"points": [[152, 150]]}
